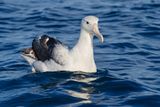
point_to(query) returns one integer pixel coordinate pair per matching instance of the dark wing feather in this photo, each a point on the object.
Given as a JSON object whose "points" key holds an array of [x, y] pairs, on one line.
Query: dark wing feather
{"points": [[52, 43], [45, 47], [40, 49]]}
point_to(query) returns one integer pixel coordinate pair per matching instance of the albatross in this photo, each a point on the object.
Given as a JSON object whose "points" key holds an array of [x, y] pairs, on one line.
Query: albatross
{"points": [[50, 54]]}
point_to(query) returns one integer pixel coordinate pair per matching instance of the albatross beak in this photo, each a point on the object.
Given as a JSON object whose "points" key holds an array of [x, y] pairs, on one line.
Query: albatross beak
{"points": [[97, 33]]}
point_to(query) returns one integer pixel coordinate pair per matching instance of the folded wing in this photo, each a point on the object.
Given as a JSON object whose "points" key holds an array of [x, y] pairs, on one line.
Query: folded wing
{"points": [[47, 48]]}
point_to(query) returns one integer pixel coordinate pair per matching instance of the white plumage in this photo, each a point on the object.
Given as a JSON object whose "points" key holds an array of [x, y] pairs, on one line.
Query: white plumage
{"points": [[49, 54]]}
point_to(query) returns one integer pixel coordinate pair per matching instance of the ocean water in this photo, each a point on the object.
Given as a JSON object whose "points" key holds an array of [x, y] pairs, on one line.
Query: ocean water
{"points": [[128, 61]]}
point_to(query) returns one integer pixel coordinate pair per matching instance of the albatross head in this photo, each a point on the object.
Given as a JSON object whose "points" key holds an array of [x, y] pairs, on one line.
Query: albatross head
{"points": [[90, 24]]}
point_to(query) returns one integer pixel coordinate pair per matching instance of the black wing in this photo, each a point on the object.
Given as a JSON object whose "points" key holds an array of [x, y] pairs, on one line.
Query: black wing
{"points": [[44, 48], [40, 48]]}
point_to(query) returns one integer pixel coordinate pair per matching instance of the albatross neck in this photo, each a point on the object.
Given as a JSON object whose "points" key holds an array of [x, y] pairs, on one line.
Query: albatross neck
{"points": [[85, 44], [85, 41], [83, 54]]}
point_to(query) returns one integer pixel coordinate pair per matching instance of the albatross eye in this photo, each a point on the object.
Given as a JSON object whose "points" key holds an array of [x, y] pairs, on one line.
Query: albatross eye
{"points": [[87, 22]]}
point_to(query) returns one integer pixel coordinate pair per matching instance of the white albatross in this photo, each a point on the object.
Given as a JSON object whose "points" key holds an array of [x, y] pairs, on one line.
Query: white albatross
{"points": [[49, 54]]}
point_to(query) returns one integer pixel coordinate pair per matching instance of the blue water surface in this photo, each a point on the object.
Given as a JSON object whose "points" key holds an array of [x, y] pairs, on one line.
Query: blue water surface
{"points": [[128, 62]]}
